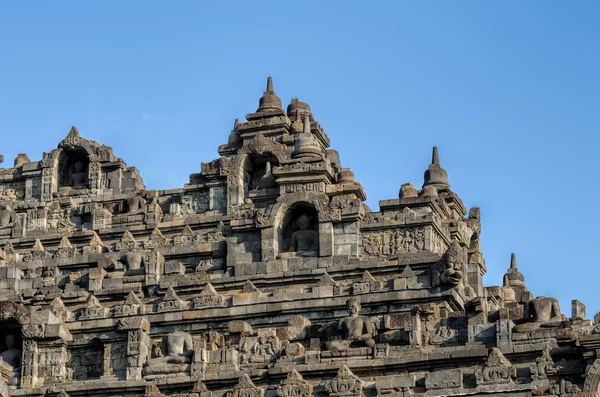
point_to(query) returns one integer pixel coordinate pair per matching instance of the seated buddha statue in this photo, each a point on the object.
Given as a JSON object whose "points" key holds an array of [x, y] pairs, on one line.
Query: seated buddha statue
{"points": [[79, 178], [304, 241], [355, 330], [178, 352], [12, 356]]}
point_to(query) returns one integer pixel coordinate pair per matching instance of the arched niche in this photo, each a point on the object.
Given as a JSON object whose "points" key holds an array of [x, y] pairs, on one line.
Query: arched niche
{"points": [[73, 168], [298, 231], [11, 346], [257, 172], [591, 387]]}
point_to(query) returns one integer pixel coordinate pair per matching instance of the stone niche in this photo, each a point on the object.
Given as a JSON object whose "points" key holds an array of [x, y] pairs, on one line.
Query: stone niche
{"points": [[73, 169], [11, 343], [298, 234], [258, 176]]}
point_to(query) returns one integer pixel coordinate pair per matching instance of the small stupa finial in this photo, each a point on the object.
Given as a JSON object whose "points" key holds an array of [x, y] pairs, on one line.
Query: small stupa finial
{"points": [[513, 261], [435, 174], [435, 158], [270, 102]]}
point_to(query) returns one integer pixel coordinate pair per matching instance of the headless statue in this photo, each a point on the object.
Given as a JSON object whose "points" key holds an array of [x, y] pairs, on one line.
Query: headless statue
{"points": [[12, 356], [543, 309], [305, 242], [179, 350], [79, 178], [356, 330], [7, 216], [136, 204]]}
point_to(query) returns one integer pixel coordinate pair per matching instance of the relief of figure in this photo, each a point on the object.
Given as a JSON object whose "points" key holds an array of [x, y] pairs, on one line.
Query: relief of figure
{"points": [[79, 178], [178, 352], [7, 216], [12, 356], [356, 330]]}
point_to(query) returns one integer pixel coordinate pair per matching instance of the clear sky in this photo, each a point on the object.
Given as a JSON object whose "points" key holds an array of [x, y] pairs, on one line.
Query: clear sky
{"points": [[508, 90]]}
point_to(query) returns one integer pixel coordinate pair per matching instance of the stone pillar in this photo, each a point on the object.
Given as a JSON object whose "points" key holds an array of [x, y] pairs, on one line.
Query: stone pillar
{"points": [[577, 310], [29, 364], [138, 345], [269, 244], [325, 239], [155, 264]]}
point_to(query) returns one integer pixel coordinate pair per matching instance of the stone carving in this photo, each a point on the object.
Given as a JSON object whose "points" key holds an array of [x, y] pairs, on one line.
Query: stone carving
{"points": [[175, 355], [355, 329], [497, 369], [544, 366], [394, 242], [132, 305], [294, 386], [7, 216], [209, 297], [345, 384], [450, 269], [245, 388], [170, 302], [93, 309]]}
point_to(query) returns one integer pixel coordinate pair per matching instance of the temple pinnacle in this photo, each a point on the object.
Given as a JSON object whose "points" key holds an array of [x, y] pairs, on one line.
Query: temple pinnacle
{"points": [[435, 158], [513, 261], [270, 102], [435, 174]]}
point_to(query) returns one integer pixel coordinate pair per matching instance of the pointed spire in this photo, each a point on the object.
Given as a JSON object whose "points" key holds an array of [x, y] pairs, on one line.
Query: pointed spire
{"points": [[513, 277], [435, 158], [266, 181], [270, 102], [435, 174], [65, 243]]}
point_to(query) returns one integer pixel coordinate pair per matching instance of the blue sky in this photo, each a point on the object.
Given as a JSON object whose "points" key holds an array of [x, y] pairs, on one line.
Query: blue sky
{"points": [[509, 91]]}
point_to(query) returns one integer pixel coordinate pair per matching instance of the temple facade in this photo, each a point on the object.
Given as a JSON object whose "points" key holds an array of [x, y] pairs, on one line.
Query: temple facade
{"points": [[265, 276]]}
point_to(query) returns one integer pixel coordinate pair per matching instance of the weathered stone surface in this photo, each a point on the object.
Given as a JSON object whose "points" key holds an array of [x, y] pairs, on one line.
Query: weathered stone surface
{"points": [[265, 275]]}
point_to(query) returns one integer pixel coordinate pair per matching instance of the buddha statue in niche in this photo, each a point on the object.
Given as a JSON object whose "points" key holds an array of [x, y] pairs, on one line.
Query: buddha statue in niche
{"points": [[12, 356], [355, 330], [136, 204], [178, 352], [304, 241], [7, 216], [78, 178]]}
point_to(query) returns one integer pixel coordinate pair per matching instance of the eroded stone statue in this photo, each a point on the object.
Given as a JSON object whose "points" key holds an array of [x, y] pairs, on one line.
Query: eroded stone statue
{"points": [[543, 309], [136, 204], [178, 350], [7, 216], [79, 178], [356, 330], [12, 356], [305, 242]]}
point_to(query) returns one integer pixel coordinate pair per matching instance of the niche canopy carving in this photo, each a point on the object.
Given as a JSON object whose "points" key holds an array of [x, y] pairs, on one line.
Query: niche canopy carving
{"points": [[298, 234]]}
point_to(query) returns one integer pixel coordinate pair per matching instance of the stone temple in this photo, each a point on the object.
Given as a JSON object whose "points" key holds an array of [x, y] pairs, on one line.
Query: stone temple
{"points": [[265, 276]]}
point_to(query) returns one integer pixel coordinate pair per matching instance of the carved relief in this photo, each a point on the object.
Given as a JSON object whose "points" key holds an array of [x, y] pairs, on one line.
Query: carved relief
{"points": [[394, 241], [345, 384]]}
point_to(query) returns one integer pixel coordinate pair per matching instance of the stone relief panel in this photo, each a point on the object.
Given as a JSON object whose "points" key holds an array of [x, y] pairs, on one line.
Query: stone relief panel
{"points": [[195, 202], [391, 242]]}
